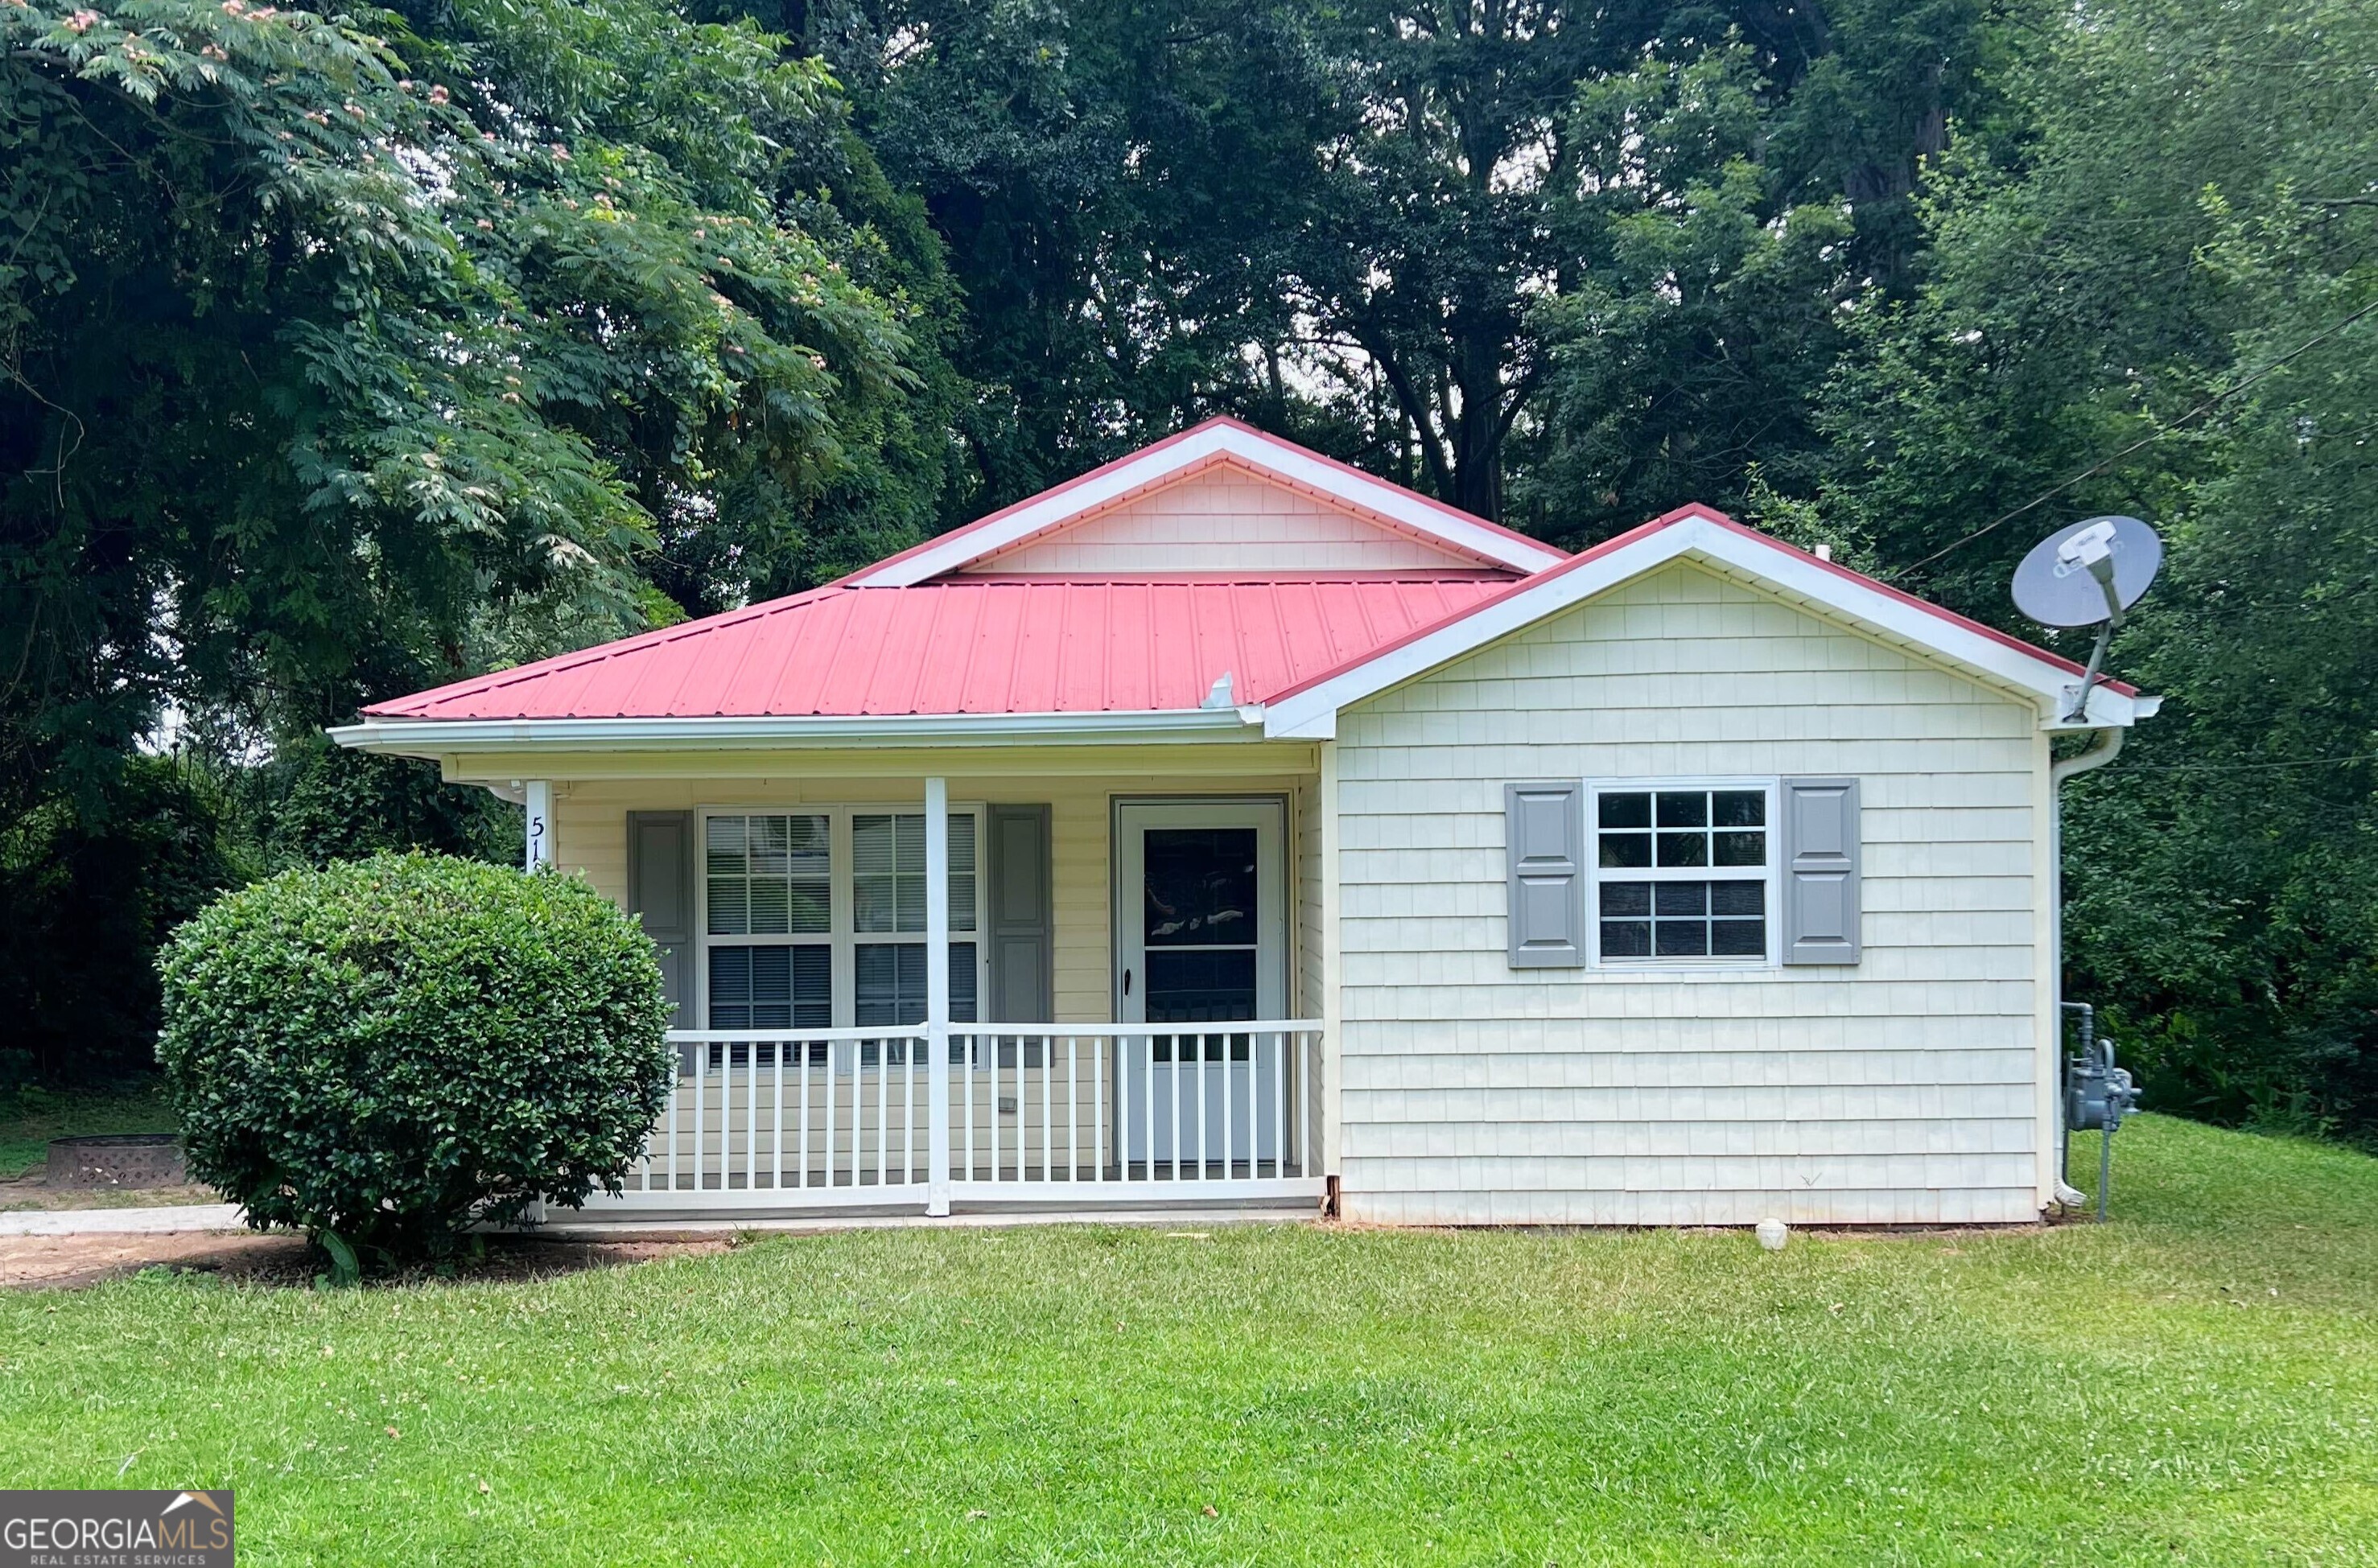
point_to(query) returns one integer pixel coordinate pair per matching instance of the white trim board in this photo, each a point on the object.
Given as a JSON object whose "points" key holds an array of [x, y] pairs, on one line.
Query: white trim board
{"points": [[441, 738], [1053, 509], [1311, 712]]}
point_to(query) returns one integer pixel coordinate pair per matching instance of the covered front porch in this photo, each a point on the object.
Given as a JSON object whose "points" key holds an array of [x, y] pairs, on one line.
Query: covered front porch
{"points": [[955, 1116], [1072, 979]]}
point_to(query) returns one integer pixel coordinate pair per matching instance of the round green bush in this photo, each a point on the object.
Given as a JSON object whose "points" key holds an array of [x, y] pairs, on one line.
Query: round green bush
{"points": [[394, 1049]]}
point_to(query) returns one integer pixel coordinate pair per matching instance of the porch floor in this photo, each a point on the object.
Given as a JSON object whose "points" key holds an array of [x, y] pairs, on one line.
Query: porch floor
{"points": [[693, 1221]]}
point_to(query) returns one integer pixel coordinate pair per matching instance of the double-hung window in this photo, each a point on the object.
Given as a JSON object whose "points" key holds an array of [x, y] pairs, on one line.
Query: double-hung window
{"points": [[887, 856], [769, 920], [815, 920], [1684, 872]]}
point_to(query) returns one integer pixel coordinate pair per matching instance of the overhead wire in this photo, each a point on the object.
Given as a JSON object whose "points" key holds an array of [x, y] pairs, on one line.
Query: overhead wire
{"points": [[2208, 406], [2247, 767]]}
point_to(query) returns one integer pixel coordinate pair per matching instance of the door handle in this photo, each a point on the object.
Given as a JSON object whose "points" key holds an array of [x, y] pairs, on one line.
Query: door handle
{"points": [[1126, 982]]}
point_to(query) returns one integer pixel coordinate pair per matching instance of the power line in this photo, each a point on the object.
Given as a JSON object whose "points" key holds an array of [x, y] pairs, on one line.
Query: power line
{"points": [[2208, 406], [2246, 767]]}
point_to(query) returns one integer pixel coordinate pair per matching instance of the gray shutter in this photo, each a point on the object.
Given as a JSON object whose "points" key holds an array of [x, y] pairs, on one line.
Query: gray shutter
{"points": [[1820, 871], [1023, 923], [1544, 839], [660, 888]]}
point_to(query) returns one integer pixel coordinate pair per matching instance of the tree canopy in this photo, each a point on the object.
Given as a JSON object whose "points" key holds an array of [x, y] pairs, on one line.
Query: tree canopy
{"points": [[341, 353]]}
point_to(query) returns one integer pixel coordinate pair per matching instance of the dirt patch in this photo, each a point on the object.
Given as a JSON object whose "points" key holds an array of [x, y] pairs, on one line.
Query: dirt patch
{"points": [[33, 1192], [67, 1262]]}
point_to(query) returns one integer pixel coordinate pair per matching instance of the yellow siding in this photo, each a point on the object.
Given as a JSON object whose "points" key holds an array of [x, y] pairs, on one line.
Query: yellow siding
{"points": [[1223, 519], [1902, 1090], [592, 817]]}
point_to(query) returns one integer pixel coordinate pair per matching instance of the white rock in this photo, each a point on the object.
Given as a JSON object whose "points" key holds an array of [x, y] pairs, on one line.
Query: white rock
{"points": [[1773, 1233]]}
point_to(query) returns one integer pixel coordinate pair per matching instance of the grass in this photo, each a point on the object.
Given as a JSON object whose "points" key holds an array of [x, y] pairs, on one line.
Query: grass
{"points": [[30, 1118], [2197, 1381]]}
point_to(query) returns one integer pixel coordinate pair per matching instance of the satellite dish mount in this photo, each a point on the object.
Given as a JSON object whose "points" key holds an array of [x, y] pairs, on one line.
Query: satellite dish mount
{"points": [[2091, 550], [2089, 574]]}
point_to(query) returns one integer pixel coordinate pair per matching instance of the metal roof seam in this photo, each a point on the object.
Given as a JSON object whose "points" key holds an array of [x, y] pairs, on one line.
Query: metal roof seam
{"points": [[831, 607], [1014, 673], [842, 647], [1248, 683], [962, 653], [1106, 665]]}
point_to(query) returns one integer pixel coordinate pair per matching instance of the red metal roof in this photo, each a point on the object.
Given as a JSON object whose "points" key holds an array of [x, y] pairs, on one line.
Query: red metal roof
{"points": [[975, 645]]}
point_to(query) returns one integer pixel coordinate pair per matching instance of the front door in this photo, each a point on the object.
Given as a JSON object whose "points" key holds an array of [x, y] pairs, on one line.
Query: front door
{"points": [[1201, 925]]}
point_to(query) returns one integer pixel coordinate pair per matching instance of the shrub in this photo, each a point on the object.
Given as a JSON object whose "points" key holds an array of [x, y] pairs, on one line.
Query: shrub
{"points": [[389, 1049]]}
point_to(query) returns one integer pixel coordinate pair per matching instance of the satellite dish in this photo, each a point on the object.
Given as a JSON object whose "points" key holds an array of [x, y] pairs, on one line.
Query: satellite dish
{"points": [[2089, 572], [2088, 575]]}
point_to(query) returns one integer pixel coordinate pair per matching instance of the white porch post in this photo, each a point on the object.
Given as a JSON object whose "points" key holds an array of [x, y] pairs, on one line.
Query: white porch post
{"points": [[539, 854], [1331, 1130], [937, 993]]}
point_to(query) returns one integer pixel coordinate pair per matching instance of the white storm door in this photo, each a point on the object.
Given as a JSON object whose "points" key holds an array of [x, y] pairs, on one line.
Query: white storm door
{"points": [[1201, 929]]}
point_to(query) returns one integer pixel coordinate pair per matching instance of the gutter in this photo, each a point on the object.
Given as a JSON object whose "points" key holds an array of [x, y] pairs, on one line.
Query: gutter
{"points": [[443, 737], [2107, 746]]}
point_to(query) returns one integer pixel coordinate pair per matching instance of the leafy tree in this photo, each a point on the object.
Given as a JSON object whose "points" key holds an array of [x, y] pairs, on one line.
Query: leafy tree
{"points": [[337, 354], [308, 357], [2164, 290], [86, 898], [1345, 222], [1684, 352]]}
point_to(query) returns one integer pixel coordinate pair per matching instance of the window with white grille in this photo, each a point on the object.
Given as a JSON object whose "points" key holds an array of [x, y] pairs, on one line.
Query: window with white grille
{"points": [[815, 918], [1684, 872]]}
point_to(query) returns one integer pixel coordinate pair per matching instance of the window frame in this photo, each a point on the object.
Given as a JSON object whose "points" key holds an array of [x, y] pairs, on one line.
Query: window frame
{"points": [[842, 937], [1770, 873]]}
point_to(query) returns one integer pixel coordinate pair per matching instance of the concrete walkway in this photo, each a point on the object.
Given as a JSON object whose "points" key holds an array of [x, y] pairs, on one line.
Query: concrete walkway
{"points": [[122, 1221]]}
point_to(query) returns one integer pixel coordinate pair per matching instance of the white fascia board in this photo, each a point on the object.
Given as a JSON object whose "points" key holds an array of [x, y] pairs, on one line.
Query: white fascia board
{"points": [[1311, 714], [446, 737], [1034, 517]]}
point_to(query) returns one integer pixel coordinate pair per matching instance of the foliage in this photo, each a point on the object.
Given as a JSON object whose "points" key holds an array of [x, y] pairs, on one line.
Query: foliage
{"points": [[1688, 355], [2169, 269], [309, 356], [340, 355], [314, 803], [394, 1049], [86, 894], [1345, 221], [1333, 1394]]}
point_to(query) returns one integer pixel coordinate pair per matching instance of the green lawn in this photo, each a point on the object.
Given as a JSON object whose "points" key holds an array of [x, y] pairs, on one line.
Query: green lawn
{"points": [[30, 1118], [2197, 1381]]}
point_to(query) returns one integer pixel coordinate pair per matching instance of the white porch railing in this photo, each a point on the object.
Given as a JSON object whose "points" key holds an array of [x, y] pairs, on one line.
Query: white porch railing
{"points": [[1075, 1114]]}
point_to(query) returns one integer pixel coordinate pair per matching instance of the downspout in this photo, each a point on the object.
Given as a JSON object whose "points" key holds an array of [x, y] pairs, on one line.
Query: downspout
{"points": [[2107, 746]]}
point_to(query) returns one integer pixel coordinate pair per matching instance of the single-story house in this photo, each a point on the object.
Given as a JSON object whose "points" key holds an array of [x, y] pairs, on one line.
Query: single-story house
{"points": [[1228, 825]]}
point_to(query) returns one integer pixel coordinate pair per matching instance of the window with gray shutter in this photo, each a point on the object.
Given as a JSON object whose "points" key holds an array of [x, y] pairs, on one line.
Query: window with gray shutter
{"points": [[1544, 838], [1820, 870], [660, 888]]}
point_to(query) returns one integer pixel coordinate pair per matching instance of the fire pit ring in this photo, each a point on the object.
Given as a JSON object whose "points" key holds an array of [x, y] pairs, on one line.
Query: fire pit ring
{"points": [[118, 1159]]}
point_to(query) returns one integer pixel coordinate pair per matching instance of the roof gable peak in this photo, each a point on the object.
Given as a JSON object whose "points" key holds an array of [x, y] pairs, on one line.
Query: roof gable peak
{"points": [[1703, 533], [1217, 442]]}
